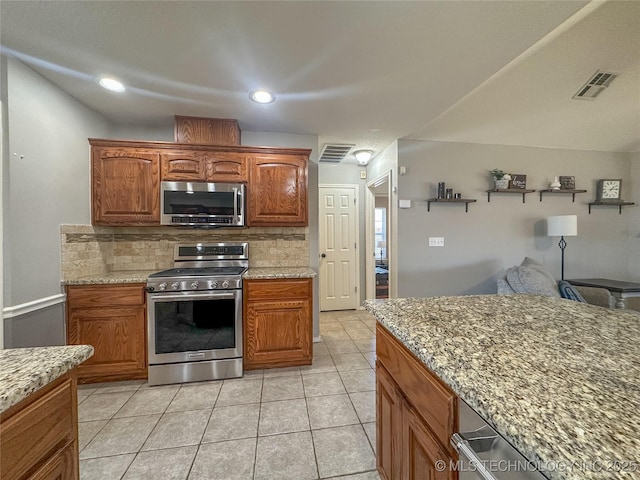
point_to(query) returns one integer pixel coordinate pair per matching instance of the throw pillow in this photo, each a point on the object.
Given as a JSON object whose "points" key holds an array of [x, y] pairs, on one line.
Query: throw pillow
{"points": [[530, 280], [536, 265], [568, 291]]}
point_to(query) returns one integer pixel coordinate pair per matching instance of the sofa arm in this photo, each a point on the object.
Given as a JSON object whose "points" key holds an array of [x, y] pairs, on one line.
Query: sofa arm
{"points": [[596, 296]]}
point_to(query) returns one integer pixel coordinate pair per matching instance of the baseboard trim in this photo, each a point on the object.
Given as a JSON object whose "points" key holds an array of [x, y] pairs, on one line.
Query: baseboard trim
{"points": [[33, 306], [317, 339]]}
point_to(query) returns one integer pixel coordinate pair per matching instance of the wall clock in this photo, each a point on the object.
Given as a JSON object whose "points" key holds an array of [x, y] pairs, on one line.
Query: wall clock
{"points": [[609, 190]]}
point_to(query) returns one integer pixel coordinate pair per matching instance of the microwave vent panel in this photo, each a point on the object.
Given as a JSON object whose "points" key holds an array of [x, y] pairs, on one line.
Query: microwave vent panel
{"points": [[334, 152]]}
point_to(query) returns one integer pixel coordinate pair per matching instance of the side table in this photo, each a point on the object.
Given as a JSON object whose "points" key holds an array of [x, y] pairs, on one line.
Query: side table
{"points": [[619, 289]]}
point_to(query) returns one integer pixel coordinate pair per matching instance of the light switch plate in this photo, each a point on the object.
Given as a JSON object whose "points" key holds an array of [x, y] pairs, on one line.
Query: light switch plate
{"points": [[404, 203], [436, 241], [363, 174]]}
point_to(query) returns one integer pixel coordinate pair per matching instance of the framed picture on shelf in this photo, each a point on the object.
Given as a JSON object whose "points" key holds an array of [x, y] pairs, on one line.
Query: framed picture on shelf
{"points": [[518, 181], [567, 182]]}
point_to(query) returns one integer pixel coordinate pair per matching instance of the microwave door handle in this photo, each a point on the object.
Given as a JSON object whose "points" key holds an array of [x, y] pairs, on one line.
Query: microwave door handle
{"points": [[236, 206], [463, 447]]}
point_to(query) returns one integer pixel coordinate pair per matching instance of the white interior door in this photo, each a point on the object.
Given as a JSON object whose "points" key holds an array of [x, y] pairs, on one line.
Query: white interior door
{"points": [[338, 247]]}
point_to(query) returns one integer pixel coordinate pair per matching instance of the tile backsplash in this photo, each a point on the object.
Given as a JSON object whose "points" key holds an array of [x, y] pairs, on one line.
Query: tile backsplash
{"points": [[89, 250]]}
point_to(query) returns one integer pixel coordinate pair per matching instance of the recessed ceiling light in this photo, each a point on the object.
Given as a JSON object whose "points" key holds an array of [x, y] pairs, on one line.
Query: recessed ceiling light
{"points": [[363, 156], [262, 96], [111, 84]]}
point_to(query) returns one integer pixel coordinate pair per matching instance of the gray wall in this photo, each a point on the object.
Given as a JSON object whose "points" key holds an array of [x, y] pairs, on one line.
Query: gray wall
{"points": [[481, 244], [47, 187]]}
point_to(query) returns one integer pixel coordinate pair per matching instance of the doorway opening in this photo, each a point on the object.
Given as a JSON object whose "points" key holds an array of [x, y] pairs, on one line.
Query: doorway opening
{"points": [[378, 237]]}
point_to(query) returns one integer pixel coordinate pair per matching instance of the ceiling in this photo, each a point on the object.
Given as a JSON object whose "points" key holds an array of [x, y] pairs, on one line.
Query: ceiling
{"points": [[366, 73]]}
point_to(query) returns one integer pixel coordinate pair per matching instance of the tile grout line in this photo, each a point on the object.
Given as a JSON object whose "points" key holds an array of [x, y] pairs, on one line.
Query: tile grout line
{"points": [[255, 453]]}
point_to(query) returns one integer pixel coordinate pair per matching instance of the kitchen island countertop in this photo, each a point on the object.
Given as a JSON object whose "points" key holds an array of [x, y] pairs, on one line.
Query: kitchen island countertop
{"points": [[559, 379], [23, 371]]}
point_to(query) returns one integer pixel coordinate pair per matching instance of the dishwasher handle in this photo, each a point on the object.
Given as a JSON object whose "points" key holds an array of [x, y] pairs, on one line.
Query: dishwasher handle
{"points": [[462, 444]]}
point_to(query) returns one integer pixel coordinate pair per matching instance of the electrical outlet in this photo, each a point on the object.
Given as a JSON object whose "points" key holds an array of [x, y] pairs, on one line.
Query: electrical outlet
{"points": [[436, 241], [363, 174]]}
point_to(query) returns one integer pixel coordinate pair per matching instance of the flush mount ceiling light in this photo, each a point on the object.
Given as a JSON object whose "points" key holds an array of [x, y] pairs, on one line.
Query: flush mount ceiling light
{"points": [[262, 96], [111, 84], [363, 156]]}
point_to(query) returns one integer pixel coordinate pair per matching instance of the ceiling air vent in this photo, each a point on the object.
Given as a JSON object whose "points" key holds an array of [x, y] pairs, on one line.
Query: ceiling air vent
{"points": [[595, 85], [334, 152]]}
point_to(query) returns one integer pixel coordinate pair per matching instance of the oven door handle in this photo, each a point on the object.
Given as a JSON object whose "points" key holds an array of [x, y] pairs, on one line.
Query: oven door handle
{"points": [[190, 295]]}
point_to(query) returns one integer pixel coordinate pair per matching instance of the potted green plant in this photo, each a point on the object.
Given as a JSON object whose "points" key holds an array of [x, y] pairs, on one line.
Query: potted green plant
{"points": [[501, 178]]}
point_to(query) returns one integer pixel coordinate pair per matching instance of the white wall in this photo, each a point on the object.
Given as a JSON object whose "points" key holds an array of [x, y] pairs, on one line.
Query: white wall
{"points": [[48, 184], [481, 244]]}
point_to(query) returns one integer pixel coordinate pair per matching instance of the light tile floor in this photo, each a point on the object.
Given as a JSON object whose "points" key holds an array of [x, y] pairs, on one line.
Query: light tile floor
{"points": [[312, 422]]}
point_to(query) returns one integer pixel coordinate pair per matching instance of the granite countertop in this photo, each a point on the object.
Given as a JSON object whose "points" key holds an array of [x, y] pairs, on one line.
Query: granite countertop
{"points": [[279, 272], [26, 370], [140, 276], [559, 379], [125, 276]]}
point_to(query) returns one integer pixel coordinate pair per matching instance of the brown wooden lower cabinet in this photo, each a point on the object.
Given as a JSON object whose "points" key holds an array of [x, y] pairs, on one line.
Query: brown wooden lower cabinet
{"points": [[415, 416], [111, 318], [39, 435], [277, 323]]}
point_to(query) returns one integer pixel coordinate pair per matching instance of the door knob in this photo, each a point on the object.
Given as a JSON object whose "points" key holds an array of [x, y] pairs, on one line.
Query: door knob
{"points": [[323, 255]]}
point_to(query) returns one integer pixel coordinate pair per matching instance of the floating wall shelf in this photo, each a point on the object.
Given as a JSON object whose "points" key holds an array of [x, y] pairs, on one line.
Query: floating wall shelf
{"points": [[466, 202], [611, 204], [556, 192], [508, 190]]}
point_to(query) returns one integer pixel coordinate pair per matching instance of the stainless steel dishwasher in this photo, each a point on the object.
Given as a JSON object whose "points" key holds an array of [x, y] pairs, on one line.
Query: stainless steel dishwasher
{"points": [[486, 455]]}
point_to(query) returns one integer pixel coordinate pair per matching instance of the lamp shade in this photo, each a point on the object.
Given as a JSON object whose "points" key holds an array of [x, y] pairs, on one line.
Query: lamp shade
{"points": [[382, 244], [562, 226]]}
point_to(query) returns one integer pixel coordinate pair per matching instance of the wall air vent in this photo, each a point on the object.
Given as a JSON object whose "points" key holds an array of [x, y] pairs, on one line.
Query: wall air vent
{"points": [[334, 152], [596, 84]]}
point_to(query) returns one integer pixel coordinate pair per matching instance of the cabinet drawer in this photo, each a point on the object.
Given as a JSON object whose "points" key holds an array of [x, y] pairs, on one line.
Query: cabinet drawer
{"points": [[35, 432], [101, 295], [434, 401], [277, 289]]}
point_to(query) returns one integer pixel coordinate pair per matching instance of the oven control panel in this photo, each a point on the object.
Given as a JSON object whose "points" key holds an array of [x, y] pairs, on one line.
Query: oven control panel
{"points": [[189, 284]]}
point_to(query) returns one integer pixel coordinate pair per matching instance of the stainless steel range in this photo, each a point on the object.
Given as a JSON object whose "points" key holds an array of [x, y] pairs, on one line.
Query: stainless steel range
{"points": [[194, 314]]}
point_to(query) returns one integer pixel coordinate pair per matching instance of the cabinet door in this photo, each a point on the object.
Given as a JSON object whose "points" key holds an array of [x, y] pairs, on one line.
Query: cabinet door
{"points": [[125, 187], [388, 426], [32, 436], [277, 190], [227, 167], [62, 466], [278, 327], [183, 166], [113, 320], [277, 334], [423, 458]]}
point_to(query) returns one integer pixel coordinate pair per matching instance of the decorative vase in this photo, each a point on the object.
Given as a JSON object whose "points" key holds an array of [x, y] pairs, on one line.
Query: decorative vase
{"points": [[555, 185], [502, 184]]}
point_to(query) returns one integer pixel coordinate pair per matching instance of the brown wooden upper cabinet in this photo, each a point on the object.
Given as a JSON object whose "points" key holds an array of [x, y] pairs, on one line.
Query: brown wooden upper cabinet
{"points": [[277, 192], [125, 186], [126, 178], [196, 166], [207, 131]]}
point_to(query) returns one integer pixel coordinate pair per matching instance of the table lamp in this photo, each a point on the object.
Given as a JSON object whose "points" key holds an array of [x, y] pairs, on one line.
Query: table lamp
{"points": [[381, 245], [562, 226]]}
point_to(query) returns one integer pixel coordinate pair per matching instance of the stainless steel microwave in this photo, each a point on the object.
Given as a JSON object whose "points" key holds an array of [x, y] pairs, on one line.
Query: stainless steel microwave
{"points": [[202, 204]]}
